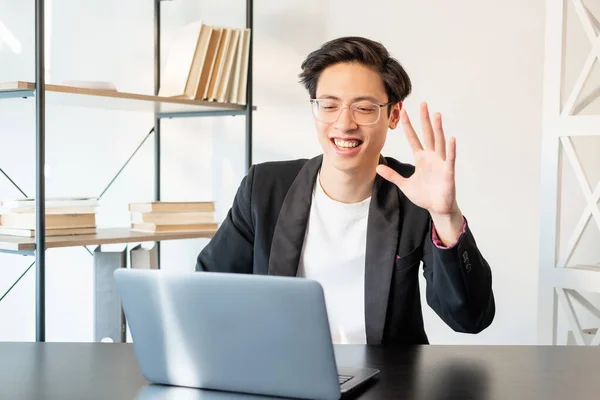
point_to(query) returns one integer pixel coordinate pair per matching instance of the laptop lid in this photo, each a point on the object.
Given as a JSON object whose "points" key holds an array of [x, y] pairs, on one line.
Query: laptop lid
{"points": [[258, 334]]}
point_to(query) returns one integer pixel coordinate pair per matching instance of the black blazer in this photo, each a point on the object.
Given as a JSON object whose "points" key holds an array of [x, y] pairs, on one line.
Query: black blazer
{"points": [[264, 230]]}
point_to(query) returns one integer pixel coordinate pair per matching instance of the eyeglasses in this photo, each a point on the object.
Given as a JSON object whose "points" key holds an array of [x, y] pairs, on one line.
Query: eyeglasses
{"points": [[363, 112]]}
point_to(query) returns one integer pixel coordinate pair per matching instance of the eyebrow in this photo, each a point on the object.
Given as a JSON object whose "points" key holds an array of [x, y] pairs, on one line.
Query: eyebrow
{"points": [[359, 98]]}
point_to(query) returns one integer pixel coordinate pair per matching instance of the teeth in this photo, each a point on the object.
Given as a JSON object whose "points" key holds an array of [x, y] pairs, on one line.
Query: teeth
{"points": [[345, 143]]}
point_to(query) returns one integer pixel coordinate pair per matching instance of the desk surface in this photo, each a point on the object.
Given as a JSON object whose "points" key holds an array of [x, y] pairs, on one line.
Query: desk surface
{"points": [[109, 371]]}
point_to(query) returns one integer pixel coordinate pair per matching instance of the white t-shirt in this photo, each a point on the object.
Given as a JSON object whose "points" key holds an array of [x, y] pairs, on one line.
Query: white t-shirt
{"points": [[334, 255]]}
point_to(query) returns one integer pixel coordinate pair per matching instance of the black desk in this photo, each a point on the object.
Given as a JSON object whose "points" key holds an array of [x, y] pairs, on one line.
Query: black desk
{"points": [[109, 371]]}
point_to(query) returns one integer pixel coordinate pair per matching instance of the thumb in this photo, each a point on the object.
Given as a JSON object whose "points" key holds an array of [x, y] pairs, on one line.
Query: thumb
{"points": [[390, 175]]}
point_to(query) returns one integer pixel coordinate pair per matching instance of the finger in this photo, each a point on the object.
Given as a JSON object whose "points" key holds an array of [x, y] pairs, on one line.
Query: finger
{"points": [[426, 126], [440, 139], [409, 132], [451, 154], [390, 175]]}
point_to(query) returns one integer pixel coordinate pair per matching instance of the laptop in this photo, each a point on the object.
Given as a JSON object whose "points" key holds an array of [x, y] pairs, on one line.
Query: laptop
{"points": [[256, 334], [165, 392]]}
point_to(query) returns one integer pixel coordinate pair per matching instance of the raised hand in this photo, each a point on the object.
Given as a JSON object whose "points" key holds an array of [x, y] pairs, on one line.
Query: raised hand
{"points": [[432, 186]]}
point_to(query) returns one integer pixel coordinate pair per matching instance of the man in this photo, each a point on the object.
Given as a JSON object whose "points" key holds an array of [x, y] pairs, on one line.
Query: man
{"points": [[355, 221]]}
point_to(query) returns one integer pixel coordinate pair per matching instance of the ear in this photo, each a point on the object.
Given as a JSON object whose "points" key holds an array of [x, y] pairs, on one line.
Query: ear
{"points": [[395, 115]]}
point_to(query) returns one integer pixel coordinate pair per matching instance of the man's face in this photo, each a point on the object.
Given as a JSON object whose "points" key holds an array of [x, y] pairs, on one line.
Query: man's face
{"points": [[350, 142]]}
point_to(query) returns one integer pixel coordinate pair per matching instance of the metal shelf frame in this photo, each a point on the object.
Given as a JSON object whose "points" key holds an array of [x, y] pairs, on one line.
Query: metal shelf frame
{"points": [[39, 93]]}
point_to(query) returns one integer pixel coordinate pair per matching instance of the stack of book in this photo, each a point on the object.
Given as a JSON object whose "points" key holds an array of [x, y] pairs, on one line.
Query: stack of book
{"points": [[207, 62], [63, 216], [163, 216]]}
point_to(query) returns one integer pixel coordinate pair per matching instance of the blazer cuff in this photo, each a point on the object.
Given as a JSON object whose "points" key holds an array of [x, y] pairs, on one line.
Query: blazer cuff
{"points": [[438, 243]]}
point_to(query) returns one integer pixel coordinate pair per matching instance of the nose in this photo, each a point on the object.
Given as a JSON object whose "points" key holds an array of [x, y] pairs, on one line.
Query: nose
{"points": [[345, 122]]}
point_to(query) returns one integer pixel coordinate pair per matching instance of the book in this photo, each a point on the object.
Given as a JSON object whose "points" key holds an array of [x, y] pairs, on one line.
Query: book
{"points": [[239, 95], [173, 206], [198, 62], [50, 202], [181, 58], [150, 227], [221, 90], [207, 62], [210, 92], [56, 210], [170, 218], [49, 232], [53, 221]]}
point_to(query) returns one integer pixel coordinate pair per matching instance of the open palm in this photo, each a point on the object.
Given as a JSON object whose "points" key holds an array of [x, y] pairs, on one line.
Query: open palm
{"points": [[432, 186]]}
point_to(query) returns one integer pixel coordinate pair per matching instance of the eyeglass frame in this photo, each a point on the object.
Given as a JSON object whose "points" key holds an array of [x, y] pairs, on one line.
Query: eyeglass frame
{"points": [[379, 106]]}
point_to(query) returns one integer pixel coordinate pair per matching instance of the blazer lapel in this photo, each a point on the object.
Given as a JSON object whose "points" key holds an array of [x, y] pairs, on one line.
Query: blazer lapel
{"points": [[288, 236], [382, 240]]}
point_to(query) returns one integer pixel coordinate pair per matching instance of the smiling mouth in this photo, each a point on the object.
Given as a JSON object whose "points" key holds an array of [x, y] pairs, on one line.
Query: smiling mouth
{"points": [[346, 144]]}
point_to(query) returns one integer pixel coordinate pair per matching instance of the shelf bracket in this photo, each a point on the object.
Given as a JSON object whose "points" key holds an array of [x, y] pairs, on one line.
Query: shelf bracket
{"points": [[17, 281], [126, 163], [13, 182]]}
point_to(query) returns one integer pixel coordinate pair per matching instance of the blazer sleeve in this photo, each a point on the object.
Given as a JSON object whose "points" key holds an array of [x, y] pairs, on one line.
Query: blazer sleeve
{"points": [[231, 248], [459, 284]]}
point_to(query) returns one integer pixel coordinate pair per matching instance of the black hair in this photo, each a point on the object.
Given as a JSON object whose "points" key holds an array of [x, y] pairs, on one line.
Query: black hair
{"points": [[360, 50]]}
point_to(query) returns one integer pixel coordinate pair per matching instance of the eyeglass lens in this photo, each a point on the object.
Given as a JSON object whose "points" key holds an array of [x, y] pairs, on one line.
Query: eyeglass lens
{"points": [[363, 112]]}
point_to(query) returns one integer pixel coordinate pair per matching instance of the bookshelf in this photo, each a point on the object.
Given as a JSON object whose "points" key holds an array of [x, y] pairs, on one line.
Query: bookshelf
{"points": [[102, 236], [94, 98], [160, 107]]}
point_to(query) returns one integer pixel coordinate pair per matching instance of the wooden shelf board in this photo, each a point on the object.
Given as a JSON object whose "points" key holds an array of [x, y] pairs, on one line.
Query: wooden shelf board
{"points": [[95, 98], [103, 236]]}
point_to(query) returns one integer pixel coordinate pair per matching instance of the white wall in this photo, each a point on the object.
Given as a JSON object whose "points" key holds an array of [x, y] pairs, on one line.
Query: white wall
{"points": [[479, 63]]}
